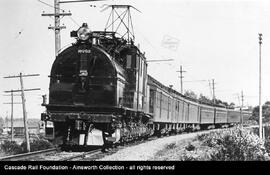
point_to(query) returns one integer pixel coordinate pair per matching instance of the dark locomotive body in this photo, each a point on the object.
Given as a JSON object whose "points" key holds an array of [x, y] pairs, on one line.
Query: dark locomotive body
{"points": [[97, 91], [100, 94]]}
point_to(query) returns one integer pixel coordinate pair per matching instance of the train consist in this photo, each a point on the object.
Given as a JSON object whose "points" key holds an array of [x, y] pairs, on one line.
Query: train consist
{"points": [[100, 94]]}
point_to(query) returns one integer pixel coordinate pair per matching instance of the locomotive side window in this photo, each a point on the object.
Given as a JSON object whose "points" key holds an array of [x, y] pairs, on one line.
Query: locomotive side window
{"points": [[161, 104], [166, 103], [169, 107], [151, 101], [129, 61], [141, 67], [162, 101], [137, 62]]}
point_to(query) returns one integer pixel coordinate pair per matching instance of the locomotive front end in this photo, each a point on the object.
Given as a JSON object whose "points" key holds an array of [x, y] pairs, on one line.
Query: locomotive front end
{"points": [[86, 87]]}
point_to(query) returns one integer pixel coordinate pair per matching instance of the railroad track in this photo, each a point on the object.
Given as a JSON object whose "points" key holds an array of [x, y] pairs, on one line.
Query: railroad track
{"points": [[27, 156], [96, 153], [82, 156], [85, 156]]}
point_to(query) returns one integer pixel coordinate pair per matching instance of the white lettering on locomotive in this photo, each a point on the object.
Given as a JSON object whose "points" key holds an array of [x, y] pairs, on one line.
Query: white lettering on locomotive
{"points": [[84, 51]]}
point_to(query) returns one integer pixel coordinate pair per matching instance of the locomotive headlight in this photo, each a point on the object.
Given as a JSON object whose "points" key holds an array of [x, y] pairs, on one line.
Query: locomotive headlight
{"points": [[83, 33]]}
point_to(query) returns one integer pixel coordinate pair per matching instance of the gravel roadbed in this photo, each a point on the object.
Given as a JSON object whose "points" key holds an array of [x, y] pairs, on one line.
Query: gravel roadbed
{"points": [[146, 151]]}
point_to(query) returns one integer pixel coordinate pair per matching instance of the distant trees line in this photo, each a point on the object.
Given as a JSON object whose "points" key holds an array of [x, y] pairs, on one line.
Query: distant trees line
{"points": [[203, 99], [265, 113], [1, 124]]}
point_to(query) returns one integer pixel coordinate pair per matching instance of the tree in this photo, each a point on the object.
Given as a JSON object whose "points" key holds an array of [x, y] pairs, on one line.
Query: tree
{"points": [[225, 103], [190, 94], [204, 99], [232, 105], [265, 112], [222, 103], [1, 121], [1, 124]]}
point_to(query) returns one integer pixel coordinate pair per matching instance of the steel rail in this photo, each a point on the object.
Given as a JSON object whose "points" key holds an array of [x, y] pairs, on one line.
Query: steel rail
{"points": [[82, 156], [24, 156]]}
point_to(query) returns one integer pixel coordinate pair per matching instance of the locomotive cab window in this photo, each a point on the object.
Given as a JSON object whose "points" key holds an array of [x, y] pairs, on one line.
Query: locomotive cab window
{"points": [[129, 61]]}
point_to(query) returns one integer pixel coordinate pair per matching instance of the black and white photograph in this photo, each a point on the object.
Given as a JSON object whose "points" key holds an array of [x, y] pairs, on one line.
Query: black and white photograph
{"points": [[133, 85]]}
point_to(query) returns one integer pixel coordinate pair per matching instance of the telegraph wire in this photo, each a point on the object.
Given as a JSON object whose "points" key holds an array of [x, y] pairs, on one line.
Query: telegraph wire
{"points": [[50, 5], [149, 43], [74, 21], [60, 9]]}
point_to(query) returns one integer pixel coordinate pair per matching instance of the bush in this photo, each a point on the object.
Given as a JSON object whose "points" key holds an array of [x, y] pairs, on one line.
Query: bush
{"points": [[197, 155], [236, 145], [190, 156], [171, 146], [211, 140], [202, 137], [11, 147], [250, 122], [37, 144], [267, 145], [190, 147]]}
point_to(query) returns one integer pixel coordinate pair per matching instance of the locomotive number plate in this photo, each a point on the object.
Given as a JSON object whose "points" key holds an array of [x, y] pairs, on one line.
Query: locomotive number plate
{"points": [[84, 51]]}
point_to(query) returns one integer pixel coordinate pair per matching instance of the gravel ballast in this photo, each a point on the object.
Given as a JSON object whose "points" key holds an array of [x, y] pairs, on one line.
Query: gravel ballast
{"points": [[146, 151]]}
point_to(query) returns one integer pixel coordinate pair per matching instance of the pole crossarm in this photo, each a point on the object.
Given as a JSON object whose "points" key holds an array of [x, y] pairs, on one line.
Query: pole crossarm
{"points": [[17, 76], [35, 89], [194, 81], [13, 103], [159, 60], [61, 2], [57, 28], [57, 14]]}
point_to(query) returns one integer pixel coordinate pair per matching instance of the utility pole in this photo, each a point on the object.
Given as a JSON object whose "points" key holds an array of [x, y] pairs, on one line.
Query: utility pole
{"points": [[211, 94], [12, 132], [181, 78], [260, 89], [11, 115], [23, 105], [6, 119], [213, 86], [242, 105], [57, 26]]}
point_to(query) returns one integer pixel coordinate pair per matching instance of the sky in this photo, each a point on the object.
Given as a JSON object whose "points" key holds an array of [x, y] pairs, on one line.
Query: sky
{"points": [[213, 39]]}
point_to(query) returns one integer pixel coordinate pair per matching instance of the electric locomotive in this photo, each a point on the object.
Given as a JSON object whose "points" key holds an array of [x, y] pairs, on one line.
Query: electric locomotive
{"points": [[97, 91]]}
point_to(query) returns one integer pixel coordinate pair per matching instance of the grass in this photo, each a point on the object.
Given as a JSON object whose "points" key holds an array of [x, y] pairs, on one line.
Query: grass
{"points": [[226, 145], [187, 149]]}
